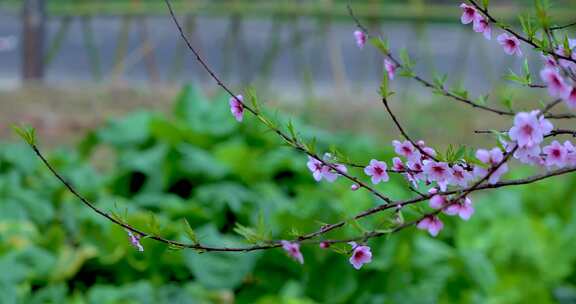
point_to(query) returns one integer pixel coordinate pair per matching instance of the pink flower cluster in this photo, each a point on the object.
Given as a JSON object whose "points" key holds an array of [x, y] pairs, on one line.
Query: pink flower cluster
{"points": [[421, 167], [551, 74], [480, 24], [361, 254], [528, 134], [463, 208], [321, 171]]}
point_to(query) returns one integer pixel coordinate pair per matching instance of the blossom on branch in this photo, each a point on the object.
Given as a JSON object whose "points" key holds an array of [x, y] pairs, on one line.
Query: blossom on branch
{"points": [[360, 38], [406, 149], [432, 224], [361, 255], [438, 172], [463, 209], [469, 13], [236, 107], [321, 171], [510, 43], [481, 25], [377, 171], [528, 129], [556, 85], [460, 176], [293, 250], [556, 154], [492, 158], [438, 201], [570, 99], [390, 68], [135, 240]]}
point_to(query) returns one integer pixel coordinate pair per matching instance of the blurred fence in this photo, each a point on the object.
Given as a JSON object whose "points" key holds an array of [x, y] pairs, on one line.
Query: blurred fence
{"points": [[247, 40]]}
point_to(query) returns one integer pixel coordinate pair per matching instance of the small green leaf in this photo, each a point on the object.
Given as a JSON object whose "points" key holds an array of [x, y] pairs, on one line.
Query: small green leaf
{"points": [[439, 80], [515, 78], [384, 90], [405, 57], [380, 44], [251, 94], [291, 130], [27, 133], [153, 224], [508, 103], [190, 232], [482, 99]]}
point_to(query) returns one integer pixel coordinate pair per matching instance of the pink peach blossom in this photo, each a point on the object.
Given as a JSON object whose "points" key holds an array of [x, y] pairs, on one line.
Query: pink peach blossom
{"points": [[528, 129], [492, 158], [397, 164], [390, 68], [406, 149], [463, 209], [428, 151], [481, 25], [529, 155], [360, 38], [432, 224], [438, 172], [236, 107], [510, 43], [460, 176], [469, 13], [556, 154], [570, 98], [361, 255], [377, 171], [438, 201], [330, 174], [135, 240], [293, 250], [321, 171], [556, 85]]}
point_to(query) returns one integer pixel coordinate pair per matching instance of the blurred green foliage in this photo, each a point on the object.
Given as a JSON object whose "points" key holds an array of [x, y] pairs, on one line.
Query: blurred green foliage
{"points": [[200, 165]]}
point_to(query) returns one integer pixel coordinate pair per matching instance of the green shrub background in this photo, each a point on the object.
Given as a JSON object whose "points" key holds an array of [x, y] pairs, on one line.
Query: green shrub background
{"points": [[199, 164]]}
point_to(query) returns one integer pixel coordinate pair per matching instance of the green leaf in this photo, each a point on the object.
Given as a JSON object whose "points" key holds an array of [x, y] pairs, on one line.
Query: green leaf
{"points": [[153, 224], [26, 133], [380, 44], [190, 232], [251, 235], [406, 61], [482, 100], [515, 78], [508, 103], [253, 98]]}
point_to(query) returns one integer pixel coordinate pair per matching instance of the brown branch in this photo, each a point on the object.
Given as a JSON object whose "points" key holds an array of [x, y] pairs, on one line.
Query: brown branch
{"points": [[404, 134], [552, 133], [292, 142], [423, 81], [442, 90], [560, 27], [520, 37]]}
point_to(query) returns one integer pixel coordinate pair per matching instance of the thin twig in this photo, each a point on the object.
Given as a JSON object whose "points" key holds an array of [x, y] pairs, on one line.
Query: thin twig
{"points": [[404, 134], [515, 34], [560, 27]]}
